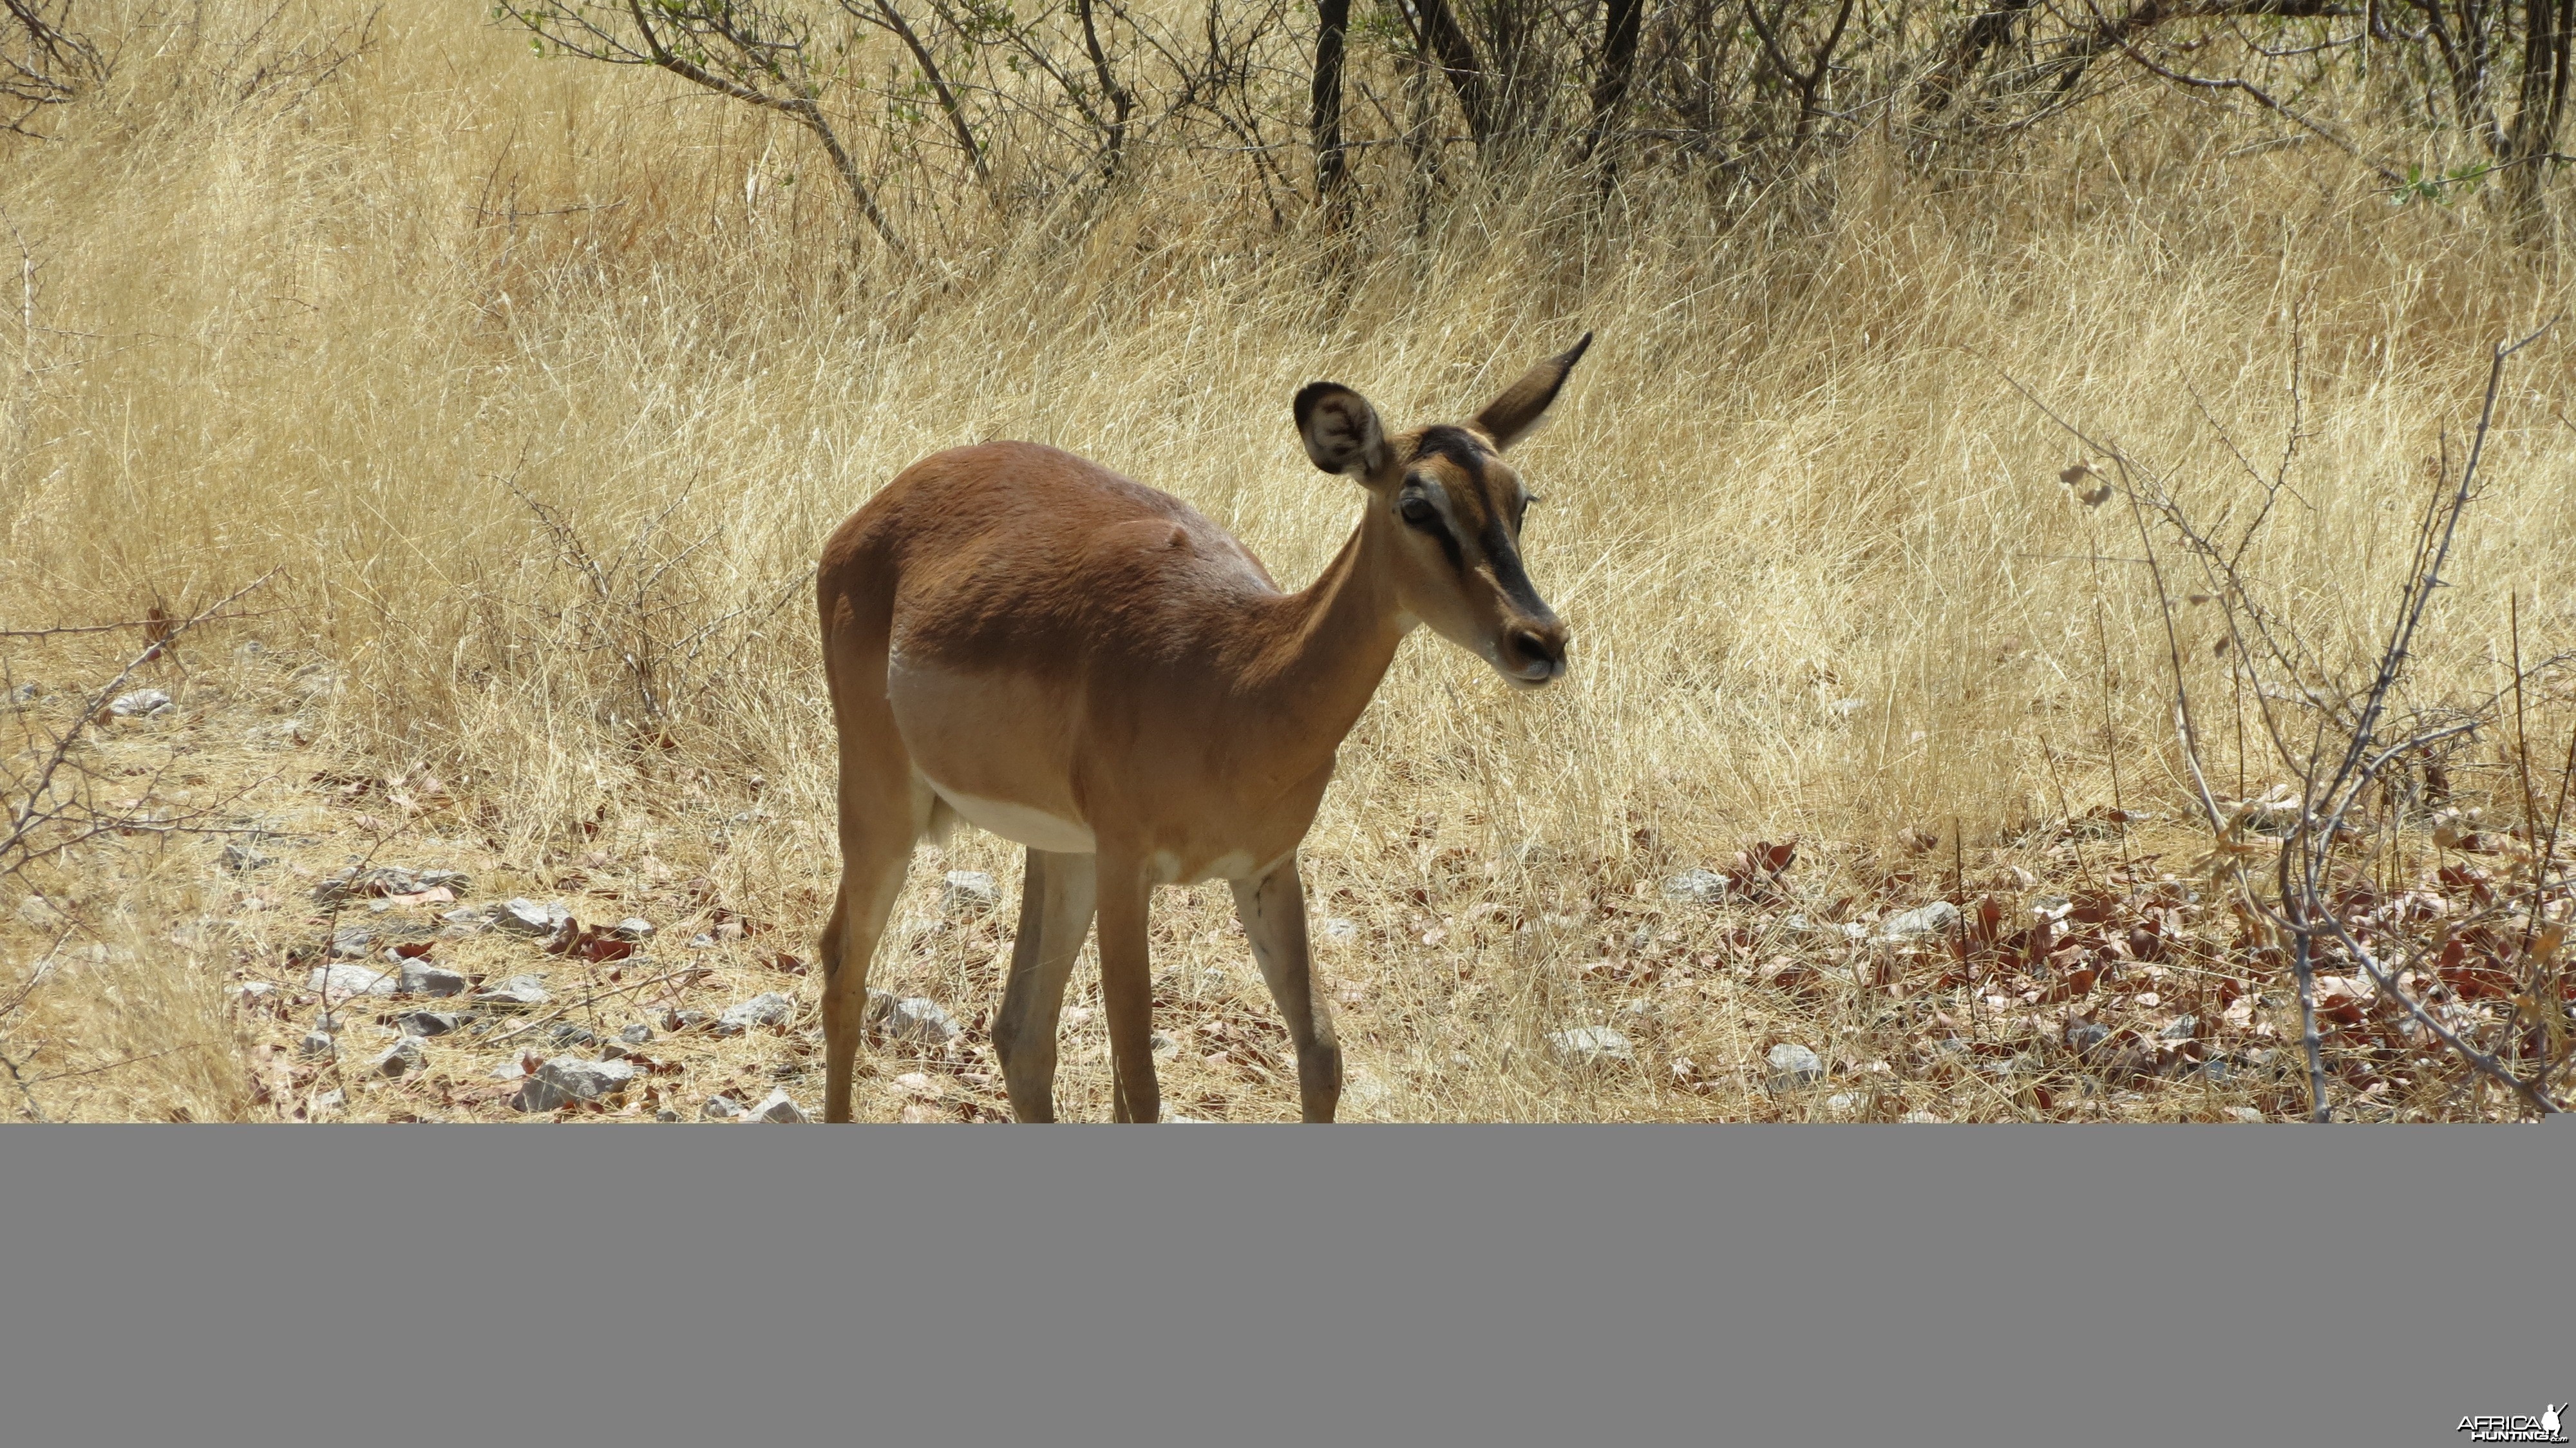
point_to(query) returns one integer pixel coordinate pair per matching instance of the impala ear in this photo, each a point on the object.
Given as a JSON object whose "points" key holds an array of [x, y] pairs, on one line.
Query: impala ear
{"points": [[1516, 414], [1340, 429]]}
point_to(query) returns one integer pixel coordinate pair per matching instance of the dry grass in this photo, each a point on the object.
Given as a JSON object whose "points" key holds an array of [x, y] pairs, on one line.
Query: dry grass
{"points": [[378, 325]]}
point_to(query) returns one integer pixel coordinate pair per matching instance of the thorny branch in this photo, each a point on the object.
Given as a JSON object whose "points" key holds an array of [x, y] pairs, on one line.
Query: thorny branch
{"points": [[2335, 774]]}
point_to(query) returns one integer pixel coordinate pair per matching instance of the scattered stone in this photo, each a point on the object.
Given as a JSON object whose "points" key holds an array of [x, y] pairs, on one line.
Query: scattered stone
{"points": [[1697, 886], [635, 928], [702, 941], [339, 982], [352, 942], [691, 1020], [636, 1034], [615, 1050], [2084, 1036], [1590, 1046], [387, 880], [917, 1018], [666, 1115], [419, 977], [400, 1059], [316, 1044], [2246, 1114], [284, 734], [522, 990], [778, 1107], [523, 1064], [428, 1023], [2182, 1029], [242, 859], [527, 917], [1794, 1065], [463, 922], [720, 1108], [1931, 919], [568, 1034], [768, 1008], [567, 1079], [141, 704], [329, 1103], [968, 892], [1341, 931]]}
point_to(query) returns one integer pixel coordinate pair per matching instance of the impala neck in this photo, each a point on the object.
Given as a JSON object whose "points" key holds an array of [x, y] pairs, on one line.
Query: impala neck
{"points": [[1335, 642]]}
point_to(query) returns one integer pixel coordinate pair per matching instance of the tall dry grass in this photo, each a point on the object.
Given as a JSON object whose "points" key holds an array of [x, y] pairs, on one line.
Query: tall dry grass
{"points": [[377, 318]]}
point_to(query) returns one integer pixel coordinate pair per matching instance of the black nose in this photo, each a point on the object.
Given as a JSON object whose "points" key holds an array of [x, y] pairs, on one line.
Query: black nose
{"points": [[1535, 651]]}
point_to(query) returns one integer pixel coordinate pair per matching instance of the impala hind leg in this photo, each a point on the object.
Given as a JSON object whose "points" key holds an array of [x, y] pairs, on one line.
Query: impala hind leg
{"points": [[880, 819], [1056, 904], [1127, 990], [1273, 911]]}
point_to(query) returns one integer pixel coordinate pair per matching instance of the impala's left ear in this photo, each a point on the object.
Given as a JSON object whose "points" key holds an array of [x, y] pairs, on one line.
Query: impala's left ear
{"points": [[1516, 414]]}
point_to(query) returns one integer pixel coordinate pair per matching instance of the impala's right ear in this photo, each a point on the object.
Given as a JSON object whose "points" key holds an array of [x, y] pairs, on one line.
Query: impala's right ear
{"points": [[1340, 428]]}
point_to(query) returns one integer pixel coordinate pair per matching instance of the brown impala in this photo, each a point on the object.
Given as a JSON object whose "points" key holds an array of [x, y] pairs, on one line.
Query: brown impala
{"points": [[1027, 641]]}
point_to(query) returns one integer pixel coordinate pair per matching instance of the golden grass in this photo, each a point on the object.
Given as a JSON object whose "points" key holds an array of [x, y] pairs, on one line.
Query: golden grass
{"points": [[1821, 575]]}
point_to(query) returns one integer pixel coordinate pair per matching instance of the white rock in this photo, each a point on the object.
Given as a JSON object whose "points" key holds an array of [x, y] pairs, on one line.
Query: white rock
{"points": [[419, 977], [1931, 919], [769, 1008], [142, 703], [2246, 1114], [400, 1059], [1700, 887], [316, 1044], [917, 1018], [427, 1023], [1590, 1046], [968, 892], [339, 982], [1794, 1065], [633, 927], [778, 1107], [527, 917], [720, 1108], [567, 1079], [522, 990]]}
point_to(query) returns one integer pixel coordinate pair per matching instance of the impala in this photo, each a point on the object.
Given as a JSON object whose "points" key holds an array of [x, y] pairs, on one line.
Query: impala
{"points": [[1019, 638]]}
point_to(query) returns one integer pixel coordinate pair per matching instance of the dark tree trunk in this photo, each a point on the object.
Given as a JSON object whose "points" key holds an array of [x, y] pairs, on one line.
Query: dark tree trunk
{"points": [[1436, 27], [1618, 68], [1332, 163]]}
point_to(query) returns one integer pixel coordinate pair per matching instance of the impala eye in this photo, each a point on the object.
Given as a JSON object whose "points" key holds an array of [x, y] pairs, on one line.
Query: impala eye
{"points": [[1417, 510]]}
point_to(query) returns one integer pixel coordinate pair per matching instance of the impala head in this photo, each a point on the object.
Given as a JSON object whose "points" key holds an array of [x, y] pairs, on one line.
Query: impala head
{"points": [[1453, 508]]}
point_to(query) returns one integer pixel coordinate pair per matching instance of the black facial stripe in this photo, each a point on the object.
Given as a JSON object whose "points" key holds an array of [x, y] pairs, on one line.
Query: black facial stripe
{"points": [[1510, 575], [1458, 446]]}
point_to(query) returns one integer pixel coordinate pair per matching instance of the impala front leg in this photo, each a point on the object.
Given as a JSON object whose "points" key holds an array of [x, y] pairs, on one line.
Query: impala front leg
{"points": [[1127, 988], [1273, 910]]}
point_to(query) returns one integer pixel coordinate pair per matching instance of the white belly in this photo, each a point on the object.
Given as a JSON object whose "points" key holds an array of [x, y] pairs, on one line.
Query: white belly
{"points": [[1034, 828]]}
